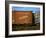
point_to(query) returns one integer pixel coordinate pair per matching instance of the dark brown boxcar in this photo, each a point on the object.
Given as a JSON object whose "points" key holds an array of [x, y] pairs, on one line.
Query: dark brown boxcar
{"points": [[21, 17]]}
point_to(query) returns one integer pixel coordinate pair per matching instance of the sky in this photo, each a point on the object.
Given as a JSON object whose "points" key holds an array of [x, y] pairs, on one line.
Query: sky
{"points": [[33, 9]]}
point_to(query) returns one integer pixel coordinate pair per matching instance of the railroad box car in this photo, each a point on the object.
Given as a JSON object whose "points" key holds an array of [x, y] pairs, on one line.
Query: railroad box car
{"points": [[21, 17]]}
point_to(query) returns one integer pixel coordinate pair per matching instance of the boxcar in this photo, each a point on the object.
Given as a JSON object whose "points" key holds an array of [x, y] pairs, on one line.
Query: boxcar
{"points": [[21, 17]]}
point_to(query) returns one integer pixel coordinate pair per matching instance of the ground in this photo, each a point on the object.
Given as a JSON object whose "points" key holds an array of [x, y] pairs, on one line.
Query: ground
{"points": [[18, 27]]}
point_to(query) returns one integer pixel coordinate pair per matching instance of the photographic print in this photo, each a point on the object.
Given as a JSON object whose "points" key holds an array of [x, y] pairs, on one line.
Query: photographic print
{"points": [[25, 19]]}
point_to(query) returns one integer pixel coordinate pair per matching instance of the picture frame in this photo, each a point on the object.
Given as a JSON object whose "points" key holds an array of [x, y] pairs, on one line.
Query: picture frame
{"points": [[8, 26]]}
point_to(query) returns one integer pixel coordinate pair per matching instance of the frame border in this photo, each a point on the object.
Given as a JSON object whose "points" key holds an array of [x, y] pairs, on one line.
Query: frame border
{"points": [[7, 15]]}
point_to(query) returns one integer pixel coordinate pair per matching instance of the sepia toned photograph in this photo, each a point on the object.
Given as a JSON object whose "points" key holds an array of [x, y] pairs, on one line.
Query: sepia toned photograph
{"points": [[24, 19]]}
